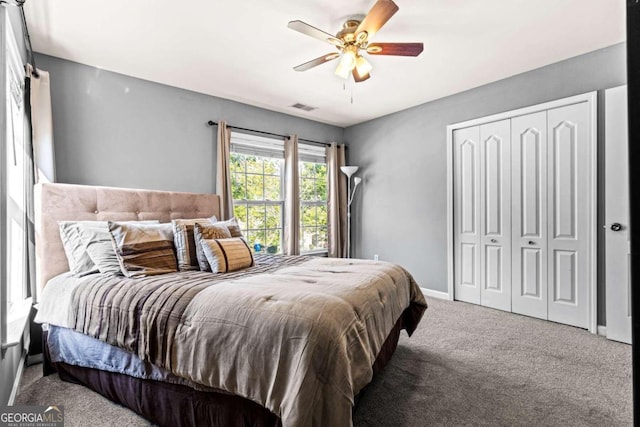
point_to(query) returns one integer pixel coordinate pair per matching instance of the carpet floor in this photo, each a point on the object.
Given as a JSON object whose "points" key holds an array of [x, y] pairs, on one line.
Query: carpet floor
{"points": [[465, 365]]}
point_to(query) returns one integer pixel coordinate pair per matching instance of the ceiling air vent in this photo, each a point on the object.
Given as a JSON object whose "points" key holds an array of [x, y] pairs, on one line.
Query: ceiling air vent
{"points": [[304, 107]]}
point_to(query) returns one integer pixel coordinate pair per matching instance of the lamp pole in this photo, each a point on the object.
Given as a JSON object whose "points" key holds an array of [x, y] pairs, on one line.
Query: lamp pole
{"points": [[349, 171]]}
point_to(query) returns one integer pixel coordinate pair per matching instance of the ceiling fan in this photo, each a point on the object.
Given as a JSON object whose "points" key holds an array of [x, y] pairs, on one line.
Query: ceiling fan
{"points": [[353, 40]]}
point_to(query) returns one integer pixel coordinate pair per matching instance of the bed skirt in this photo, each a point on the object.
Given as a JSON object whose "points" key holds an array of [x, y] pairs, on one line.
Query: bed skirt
{"points": [[167, 404]]}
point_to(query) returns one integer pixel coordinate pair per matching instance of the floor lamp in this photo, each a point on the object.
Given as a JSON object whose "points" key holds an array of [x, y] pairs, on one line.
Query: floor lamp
{"points": [[349, 171]]}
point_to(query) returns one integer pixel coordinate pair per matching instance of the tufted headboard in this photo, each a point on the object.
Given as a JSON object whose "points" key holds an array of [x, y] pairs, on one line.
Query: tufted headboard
{"points": [[68, 202]]}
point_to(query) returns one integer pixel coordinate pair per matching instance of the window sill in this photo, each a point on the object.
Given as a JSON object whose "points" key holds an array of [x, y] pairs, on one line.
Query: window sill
{"points": [[321, 253], [17, 322]]}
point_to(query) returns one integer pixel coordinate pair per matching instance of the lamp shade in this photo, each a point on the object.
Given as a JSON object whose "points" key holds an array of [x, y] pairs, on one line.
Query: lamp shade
{"points": [[349, 170]]}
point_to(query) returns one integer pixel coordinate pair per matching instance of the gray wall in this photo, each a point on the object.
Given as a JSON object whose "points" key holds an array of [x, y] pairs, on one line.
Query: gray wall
{"points": [[115, 130], [400, 213], [10, 358]]}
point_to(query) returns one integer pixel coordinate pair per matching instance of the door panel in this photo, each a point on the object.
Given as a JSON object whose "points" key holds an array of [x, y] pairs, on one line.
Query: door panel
{"points": [[495, 205], [529, 214], [466, 188], [617, 253], [569, 163]]}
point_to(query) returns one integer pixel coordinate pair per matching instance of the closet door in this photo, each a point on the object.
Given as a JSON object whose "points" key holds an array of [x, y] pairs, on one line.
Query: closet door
{"points": [[466, 214], [529, 214], [495, 215], [569, 192]]}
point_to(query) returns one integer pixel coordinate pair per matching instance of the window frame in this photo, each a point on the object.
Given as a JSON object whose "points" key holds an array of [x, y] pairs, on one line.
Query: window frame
{"points": [[262, 148]]}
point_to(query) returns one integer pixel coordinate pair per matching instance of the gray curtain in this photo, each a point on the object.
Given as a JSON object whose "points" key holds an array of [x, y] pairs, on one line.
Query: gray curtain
{"points": [[336, 201], [291, 197], [223, 173]]}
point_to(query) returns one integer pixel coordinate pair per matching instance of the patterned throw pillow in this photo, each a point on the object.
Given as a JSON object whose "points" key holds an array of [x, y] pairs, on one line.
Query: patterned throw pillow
{"points": [[185, 243], [217, 230], [232, 225], [144, 249], [224, 255]]}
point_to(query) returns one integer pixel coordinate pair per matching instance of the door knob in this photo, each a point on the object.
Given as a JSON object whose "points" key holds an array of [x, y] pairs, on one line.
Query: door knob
{"points": [[531, 242], [616, 226], [494, 241]]}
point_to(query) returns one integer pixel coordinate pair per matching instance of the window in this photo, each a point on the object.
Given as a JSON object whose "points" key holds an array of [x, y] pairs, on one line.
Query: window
{"points": [[14, 190], [257, 166], [257, 185], [313, 199]]}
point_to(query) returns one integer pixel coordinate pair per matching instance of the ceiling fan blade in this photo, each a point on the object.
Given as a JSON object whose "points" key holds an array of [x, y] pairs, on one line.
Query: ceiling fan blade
{"points": [[318, 61], [397, 49], [309, 30], [379, 14], [358, 78]]}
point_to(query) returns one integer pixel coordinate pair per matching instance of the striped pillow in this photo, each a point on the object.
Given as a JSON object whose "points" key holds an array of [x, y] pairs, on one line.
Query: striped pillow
{"points": [[232, 225], [144, 249], [217, 230], [226, 255], [185, 244]]}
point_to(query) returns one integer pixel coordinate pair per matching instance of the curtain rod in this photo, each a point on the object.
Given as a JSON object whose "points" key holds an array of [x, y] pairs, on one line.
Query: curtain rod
{"points": [[325, 144]]}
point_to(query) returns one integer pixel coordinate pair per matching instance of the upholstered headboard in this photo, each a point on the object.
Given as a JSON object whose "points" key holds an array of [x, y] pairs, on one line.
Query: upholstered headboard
{"points": [[67, 202]]}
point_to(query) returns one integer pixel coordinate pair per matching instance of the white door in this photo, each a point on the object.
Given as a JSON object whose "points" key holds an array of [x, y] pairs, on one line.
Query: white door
{"points": [[617, 249], [529, 214], [569, 214], [466, 214], [495, 216]]}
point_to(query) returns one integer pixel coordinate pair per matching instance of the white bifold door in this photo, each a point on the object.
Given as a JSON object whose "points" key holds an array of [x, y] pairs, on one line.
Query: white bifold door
{"points": [[522, 199], [483, 196]]}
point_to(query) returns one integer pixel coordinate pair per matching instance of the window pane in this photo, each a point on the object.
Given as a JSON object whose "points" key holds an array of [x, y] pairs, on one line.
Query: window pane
{"points": [[259, 238], [274, 242], [273, 216], [254, 164], [323, 240], [321, 171], [321, 189], [256, 217], [238, 187], [322, 215], [255, 187], [272, 188], [307, 189], [240, 212], [309, 216], [236, 163], [306, 170], [272, 166]]}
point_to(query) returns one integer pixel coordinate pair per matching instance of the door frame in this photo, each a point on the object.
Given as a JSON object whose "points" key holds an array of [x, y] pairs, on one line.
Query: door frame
{"points": [[591, 98]]}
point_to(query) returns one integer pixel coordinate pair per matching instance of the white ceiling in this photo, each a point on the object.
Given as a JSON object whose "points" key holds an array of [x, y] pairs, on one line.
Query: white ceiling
{"points": [[243, 50]]}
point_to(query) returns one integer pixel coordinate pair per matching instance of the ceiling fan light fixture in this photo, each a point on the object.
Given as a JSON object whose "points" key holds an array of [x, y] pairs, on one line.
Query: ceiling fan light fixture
{"points": [[342, 71], [361, 37], [334, 41], [349, 59], [363, 67]]}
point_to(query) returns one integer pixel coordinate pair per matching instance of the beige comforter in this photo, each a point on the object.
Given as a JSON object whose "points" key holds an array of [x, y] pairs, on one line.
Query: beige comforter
{"points": [[299, 338]]}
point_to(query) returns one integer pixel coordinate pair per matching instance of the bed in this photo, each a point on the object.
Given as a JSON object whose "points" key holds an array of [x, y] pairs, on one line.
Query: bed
{"points": [[288, 341]]}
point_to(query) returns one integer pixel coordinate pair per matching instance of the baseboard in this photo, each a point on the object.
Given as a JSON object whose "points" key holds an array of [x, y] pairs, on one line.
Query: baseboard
{"points": [[16, 381], [435, 294], [602, 330]]}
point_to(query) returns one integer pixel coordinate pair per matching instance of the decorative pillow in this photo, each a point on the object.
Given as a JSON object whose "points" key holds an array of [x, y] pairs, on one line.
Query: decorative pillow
{"points": [[224, 255], [232, 225], [144, 249], [185, 244], [217, 230], [78, 236], [75, 247]]}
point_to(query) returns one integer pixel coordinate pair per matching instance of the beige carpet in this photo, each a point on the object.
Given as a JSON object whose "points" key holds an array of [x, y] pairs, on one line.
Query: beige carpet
{"points": [[465, 365]]}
